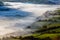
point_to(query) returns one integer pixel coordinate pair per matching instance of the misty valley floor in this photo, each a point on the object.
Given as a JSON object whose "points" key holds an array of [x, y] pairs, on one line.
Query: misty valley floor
{"points": [[20, 16]]}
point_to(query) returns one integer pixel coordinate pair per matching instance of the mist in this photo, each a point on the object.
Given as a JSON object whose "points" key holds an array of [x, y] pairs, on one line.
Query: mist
{"points": [[20, 16]]}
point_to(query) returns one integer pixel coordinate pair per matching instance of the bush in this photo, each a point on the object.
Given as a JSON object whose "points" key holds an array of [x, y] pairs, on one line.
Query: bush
{"points": [[56, 38], [30, 38]]}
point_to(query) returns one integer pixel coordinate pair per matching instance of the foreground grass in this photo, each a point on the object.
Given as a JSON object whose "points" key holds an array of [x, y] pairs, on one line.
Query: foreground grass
{"points": [[45, 35]]}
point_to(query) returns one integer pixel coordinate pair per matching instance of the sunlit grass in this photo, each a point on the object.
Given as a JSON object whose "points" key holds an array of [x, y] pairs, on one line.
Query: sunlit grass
{"points": [[45, 35], [54, 25]]}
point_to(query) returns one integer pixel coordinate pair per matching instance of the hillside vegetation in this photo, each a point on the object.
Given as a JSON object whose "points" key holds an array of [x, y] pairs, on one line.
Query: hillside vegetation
{"points": [[49, 31]]}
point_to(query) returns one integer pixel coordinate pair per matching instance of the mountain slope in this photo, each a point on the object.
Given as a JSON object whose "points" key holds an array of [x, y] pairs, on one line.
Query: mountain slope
{"points": [[37, 1]]}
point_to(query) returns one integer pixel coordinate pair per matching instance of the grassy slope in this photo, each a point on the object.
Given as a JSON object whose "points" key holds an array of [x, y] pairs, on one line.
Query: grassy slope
{"points": [[50, 30], [52, 33]]}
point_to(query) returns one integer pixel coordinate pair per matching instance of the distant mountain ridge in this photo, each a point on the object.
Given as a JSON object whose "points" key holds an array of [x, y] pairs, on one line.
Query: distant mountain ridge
{"points": [[37, 1]]}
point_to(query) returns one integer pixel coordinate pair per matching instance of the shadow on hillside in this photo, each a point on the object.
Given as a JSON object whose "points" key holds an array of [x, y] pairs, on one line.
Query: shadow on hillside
{"points": [[11, 12]]}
